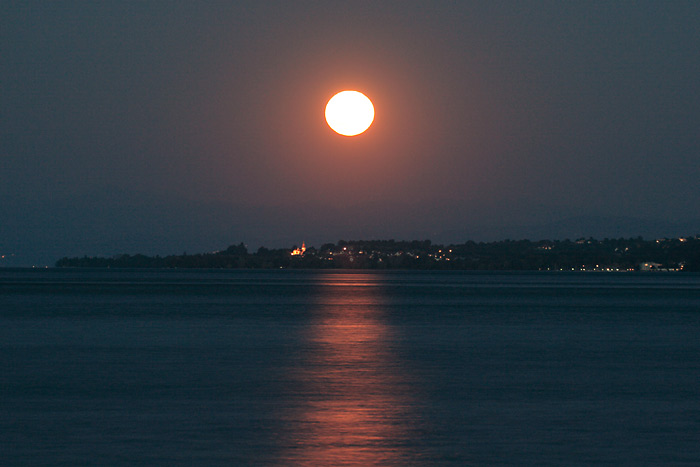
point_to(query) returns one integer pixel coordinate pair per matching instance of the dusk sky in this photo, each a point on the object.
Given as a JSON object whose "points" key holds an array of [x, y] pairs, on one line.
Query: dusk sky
{"points": [[162, 127]]}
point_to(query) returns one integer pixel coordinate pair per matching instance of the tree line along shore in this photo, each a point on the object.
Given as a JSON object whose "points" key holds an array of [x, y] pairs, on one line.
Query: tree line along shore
{"points": [[584, 254]]}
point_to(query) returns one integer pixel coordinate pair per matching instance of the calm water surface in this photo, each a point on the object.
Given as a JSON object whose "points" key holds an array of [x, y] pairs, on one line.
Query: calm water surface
{"points": [[348, 368]]}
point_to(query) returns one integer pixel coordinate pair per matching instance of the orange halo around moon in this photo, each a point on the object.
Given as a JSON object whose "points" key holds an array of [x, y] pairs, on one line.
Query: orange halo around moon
{"points": [[349, 113]]}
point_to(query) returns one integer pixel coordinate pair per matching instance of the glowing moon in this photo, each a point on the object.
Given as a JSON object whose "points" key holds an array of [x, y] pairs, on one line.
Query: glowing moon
{"points": [[349, 113]]}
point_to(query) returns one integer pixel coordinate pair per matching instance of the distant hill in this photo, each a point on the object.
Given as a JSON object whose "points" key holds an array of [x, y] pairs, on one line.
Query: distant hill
{"points": [[577, 227]]}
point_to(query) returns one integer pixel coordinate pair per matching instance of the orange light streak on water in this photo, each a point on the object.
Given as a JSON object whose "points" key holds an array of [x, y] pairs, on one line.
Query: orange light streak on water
{"points": [[355, 391]]}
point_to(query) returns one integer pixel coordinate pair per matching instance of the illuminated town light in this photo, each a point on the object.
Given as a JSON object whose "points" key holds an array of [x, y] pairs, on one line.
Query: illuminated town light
{"points": [[299, 251]]}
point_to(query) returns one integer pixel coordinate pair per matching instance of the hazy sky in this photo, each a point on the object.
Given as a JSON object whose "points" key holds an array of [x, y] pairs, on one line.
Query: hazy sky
{"points": [[158, 127]]}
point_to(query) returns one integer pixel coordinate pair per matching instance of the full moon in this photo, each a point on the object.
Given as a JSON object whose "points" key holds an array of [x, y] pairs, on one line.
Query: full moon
{"points": [[349, 113]]}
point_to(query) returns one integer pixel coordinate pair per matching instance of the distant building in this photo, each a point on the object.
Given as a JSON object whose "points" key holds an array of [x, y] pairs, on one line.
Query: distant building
{"points": [[649, 266], [299, 251]]}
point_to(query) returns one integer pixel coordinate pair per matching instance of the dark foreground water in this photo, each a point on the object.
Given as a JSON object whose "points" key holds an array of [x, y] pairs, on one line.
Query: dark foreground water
{"points": [[333, 368]]}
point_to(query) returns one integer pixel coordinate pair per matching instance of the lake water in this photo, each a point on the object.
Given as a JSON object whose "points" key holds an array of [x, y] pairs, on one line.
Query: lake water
{"points": [[115, 367]]}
